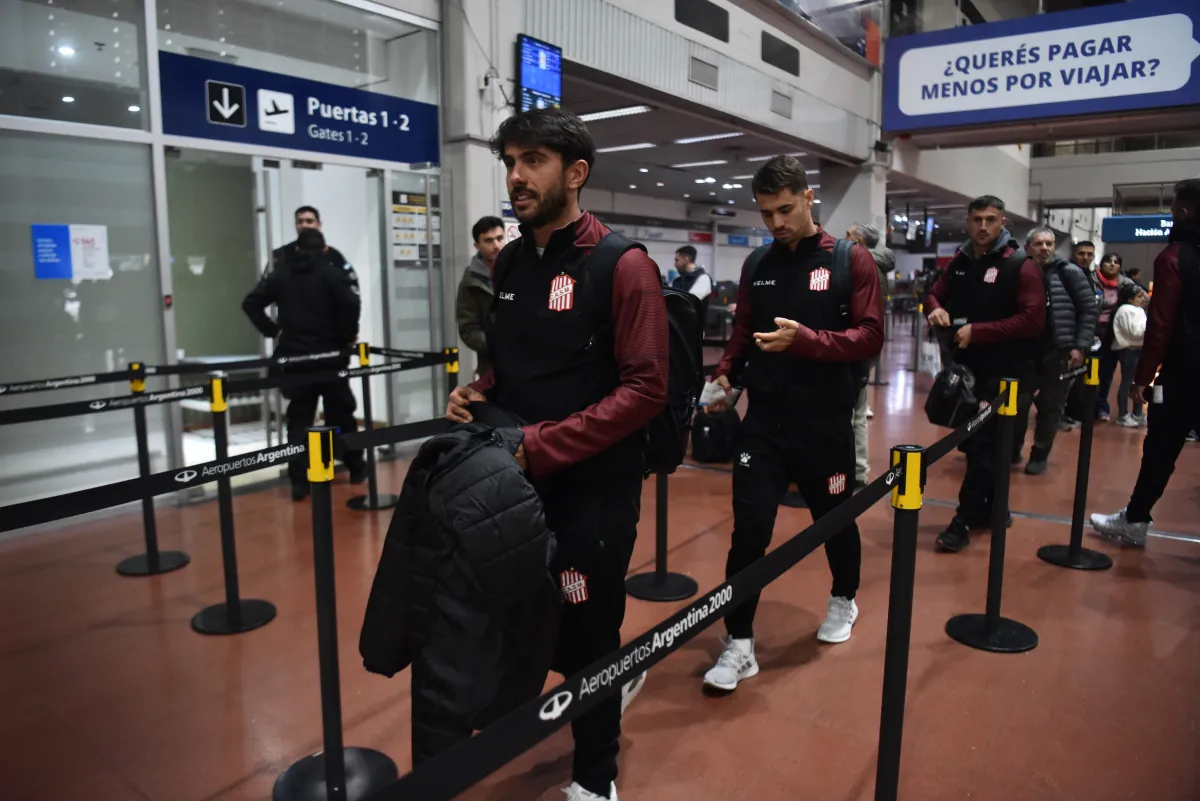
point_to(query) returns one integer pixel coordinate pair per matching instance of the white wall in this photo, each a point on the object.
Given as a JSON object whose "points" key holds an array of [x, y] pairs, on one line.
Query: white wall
{"points": [[971, 171], [430, 9], [1090, 179]]}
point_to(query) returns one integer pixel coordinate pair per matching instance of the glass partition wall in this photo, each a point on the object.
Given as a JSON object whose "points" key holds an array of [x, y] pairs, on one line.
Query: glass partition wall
{"points": [[189, 223]]}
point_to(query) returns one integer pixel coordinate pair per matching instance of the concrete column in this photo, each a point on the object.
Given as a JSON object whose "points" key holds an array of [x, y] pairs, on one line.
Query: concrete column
{"points": [[852, 194], [473, 180]]}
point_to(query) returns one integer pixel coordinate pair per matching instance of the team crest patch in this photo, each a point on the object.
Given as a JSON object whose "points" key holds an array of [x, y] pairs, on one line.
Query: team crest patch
{"points": [[574, 586], [990, 276], [562, 293], [837, 484], [818, 280]]}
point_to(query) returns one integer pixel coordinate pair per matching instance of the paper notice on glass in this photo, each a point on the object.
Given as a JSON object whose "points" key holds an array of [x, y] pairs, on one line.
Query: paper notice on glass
{"points": [[89, 253]]}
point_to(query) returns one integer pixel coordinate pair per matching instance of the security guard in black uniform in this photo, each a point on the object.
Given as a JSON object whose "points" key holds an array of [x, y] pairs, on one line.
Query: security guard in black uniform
{"points": [[316, 292]]}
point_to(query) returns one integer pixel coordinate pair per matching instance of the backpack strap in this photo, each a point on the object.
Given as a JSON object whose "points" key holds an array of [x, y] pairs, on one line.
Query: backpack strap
{"points": [[500, 268], [752, 262], [842, 278], [601, 266]]}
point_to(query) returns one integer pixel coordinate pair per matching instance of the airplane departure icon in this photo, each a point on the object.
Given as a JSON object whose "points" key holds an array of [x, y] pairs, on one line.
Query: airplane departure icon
{"points": [[276, 112]]}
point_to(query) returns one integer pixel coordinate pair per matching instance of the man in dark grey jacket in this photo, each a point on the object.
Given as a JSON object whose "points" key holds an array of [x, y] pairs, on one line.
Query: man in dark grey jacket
{"points": [[1070, 320]]}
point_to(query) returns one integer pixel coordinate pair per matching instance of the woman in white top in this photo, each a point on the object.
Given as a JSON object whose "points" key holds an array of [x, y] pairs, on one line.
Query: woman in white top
{"points": [[1128, 329]]}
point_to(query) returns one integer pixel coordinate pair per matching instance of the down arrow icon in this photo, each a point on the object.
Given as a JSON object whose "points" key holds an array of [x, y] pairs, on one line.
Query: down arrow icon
{"points": [[226, 103]]}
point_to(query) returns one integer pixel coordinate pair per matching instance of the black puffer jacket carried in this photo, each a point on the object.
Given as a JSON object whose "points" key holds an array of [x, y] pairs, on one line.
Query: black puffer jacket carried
{"points": [[1071, 318], [463, 590]]}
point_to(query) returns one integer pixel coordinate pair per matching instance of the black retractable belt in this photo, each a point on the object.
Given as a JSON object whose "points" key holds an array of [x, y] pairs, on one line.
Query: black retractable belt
{"points": [[235, 615], [153, 561], [1074, 555], [335, 773], [990, 631]]}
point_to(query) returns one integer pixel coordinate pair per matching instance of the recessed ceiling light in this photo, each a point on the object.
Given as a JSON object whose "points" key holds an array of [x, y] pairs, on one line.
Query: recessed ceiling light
{"points": [[66, 50], [814, 186], [818, 200], [710, 180], [633, 186], [643, 169], [611, 113], [691, 140], [737, 186], [730, 202], [135, 109], [68, 99], [712, 193], [812, 172], [687, 164], [685, 194], [699, 180], [660, 183], [727, 186], [619, 148]]}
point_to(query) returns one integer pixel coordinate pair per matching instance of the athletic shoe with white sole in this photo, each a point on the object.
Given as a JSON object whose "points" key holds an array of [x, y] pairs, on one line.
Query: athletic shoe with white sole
{"points": [[576, 793], [839, 620], [736, 663], [1118, 528], [630, 690]]}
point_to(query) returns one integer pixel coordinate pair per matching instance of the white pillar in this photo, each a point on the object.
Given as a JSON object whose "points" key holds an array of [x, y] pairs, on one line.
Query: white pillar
{"points": [[852, 194]]}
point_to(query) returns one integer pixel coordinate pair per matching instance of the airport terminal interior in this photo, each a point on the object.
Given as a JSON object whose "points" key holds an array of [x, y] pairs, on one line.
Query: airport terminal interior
{"points": [[180, 622]]}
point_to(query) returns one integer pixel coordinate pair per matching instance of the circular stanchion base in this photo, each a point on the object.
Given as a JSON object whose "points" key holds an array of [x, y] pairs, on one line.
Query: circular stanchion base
{"points": [[1087, 559], [362, 503], [672, 587], [140, 565], [215, 619], [794, 500], [367, 772], [1010, 637]]}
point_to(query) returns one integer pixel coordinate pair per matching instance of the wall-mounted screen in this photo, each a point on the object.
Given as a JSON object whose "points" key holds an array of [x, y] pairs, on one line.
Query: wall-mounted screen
{"points": [[539, 74]]}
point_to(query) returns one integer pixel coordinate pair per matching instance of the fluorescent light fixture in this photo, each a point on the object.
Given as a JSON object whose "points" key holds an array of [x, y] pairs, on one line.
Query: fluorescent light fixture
{"points": [[686, 164], [727, 186], [619, 148], [818, 200], [814, 186], [66, 50], [731, 202], [742, 177], [737, 186], [710, 180], [691, 140], [135, 109], [712, 193], [773, 155], [699, 180], [812, 172], [643, 169], [68, 99], [613, 113]]}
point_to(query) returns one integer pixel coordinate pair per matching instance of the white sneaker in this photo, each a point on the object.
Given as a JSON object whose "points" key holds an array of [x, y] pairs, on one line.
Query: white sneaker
{"points": [[1117, 527], [736, 662], [577, 793], [839, 620], [1128, 421], [870, 413], [629, 691]]}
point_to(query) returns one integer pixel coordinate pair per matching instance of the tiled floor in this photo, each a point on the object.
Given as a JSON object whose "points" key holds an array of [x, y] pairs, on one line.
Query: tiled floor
{"points": [[108, 695]]}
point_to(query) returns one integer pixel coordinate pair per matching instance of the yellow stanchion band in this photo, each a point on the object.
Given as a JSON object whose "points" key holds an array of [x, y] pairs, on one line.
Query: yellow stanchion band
{"points": [[320, 471], [136, 384], [452, 366], [364, 355], [1092, 377], [218, 396], [920, 308], [1008, 407], [907, 494]]}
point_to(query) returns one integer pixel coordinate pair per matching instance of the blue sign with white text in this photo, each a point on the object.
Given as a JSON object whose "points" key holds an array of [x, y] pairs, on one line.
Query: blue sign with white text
{"points": [[51, 251], [1136, 228], [737, 239], [213, 100], [1119, 57]]}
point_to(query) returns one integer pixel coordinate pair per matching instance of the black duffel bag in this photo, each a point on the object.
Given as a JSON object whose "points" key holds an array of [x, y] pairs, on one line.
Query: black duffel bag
{"points": [[952, 400], [714, 435]]}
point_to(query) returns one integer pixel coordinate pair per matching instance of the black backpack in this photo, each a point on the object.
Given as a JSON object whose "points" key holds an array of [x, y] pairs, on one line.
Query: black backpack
{"points": [[713, 436], [667, 434], [841, 281]]}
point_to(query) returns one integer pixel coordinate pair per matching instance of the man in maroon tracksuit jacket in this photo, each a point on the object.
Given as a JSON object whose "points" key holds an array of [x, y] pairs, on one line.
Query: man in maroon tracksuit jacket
{"points": [[795, 341], [586, 389], [1172, 341], [994, 297]]}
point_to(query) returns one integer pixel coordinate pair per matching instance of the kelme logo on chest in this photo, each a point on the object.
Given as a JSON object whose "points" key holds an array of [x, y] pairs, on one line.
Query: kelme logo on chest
{"points": [[506, 296], [764, 283]]}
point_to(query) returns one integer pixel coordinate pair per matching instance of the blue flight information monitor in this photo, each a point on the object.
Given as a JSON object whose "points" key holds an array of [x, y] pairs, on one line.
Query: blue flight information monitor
{"points": [[539, 67]]}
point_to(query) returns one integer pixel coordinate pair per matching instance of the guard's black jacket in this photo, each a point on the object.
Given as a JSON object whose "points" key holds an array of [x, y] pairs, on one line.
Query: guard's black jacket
{"points": [[318, 300], [463, 585]]}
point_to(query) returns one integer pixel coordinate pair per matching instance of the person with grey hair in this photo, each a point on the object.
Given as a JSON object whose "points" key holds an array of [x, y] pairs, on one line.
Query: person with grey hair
{"points": [[1070, 320], [868, 236]]}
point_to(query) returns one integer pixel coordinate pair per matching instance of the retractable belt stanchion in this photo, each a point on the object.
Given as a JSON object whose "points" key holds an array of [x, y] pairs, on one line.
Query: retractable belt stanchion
{"points": [[372, 501], [153, 561], [989, 631], [235, 615], [335, 773], [661, 585], [907, 500], [1075, 555], [918, 316]]}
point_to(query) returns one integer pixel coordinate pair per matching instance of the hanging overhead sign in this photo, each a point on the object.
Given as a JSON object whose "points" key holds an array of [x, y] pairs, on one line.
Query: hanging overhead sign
{"points": [[1096, 60], [1136, 228], [214, 100]]}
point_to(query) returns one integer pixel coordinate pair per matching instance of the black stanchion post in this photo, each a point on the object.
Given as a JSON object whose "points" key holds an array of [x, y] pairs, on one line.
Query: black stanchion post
{"points": [[661, 585], [1075, 555], [335, 773], [918, 316], [990, 631], [153, 561], [372, 501], [907, 500], [235, 615]]}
